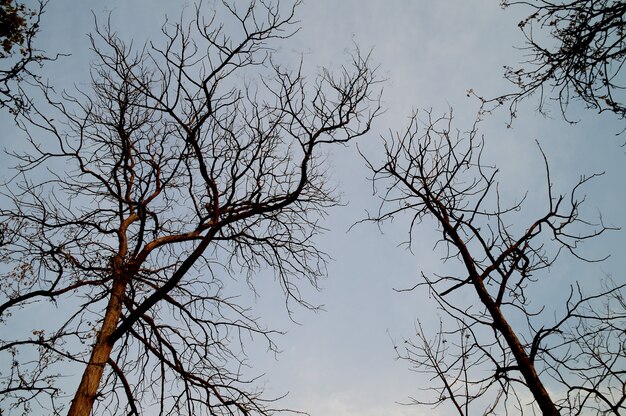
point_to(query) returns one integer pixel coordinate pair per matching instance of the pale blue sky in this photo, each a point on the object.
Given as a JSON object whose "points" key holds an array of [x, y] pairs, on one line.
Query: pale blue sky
{"points": [[341, 362]]}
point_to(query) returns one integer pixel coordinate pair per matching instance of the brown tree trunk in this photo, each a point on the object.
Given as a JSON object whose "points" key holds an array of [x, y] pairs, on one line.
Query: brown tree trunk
{"points": [[85, 396], [527, 369], [526, 366]]}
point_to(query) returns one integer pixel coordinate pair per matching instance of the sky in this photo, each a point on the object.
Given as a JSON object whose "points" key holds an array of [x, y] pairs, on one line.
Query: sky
{"points": [[341, 361]]}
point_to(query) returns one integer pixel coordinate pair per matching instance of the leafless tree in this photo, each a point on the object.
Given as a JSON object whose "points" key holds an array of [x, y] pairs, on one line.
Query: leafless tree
{"points": [[498, 350], [576, 50], [187, 164]]}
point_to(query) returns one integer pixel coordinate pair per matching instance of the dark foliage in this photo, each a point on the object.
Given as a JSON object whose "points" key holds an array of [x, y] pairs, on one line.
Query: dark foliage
{"points": [[19, 25]]}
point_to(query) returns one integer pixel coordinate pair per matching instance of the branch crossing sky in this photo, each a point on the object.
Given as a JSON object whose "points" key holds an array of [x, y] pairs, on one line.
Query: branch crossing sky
{"points": [[341, 361]]}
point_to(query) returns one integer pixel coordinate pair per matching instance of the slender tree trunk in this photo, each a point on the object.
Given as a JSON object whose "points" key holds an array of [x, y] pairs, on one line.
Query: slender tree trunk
{"points": [[88, 388], [526, 366]]}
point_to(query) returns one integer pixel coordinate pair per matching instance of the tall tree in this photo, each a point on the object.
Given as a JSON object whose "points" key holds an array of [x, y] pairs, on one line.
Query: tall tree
{"points": [[185, 165], [496, 346]]}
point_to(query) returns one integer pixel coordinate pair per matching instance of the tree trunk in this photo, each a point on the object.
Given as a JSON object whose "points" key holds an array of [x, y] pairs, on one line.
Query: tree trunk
{"points": [[526, 366], [88, 388]]}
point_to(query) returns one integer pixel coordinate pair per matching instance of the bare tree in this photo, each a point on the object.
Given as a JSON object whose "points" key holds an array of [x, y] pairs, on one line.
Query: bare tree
{"points": [[187, 164], [19, 25], [497, 350], [576, 50]]}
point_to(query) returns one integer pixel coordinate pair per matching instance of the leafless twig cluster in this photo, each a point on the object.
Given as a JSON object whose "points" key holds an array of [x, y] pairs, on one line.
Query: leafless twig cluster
{"points": [[575, 50]]}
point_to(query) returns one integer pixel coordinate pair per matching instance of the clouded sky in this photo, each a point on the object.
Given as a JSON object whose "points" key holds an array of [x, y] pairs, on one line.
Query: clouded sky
{"points": [[341, 361]]}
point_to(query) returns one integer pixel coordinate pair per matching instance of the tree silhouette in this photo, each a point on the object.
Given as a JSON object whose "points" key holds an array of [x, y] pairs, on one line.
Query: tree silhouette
{"points": [[187, 163], [576, 51], [496, 347], [19, 25]]}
